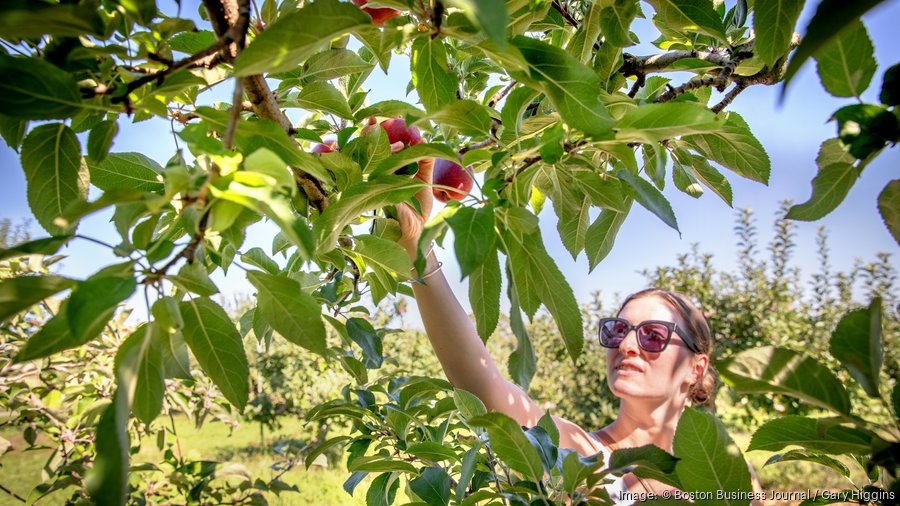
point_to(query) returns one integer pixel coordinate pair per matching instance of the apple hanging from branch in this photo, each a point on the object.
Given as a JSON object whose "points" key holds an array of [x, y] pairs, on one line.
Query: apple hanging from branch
{"points": [[327, 146], [379, 14], [447, 173]]}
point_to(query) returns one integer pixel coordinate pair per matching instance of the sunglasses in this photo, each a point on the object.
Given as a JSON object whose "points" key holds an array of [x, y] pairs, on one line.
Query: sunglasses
{"points": [[652, 335]]}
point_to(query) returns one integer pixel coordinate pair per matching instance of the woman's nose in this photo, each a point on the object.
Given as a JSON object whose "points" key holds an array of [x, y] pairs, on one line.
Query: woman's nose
{"points": [[629, 345]]}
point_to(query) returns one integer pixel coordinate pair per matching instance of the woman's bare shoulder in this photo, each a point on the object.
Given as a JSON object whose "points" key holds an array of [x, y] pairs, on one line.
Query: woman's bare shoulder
{"points": [[572, 435]]}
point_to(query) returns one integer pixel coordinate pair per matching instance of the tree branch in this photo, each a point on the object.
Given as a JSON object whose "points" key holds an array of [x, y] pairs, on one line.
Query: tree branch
{"points": [[565, 14], [223, 15], [502, 93]]}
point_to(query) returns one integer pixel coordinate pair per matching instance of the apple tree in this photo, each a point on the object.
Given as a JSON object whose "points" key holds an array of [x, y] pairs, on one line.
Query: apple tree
{"points": [[540, 98]]}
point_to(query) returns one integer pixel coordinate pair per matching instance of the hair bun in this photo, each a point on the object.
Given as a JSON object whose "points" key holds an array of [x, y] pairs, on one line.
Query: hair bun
{"points": [[703, 392]]}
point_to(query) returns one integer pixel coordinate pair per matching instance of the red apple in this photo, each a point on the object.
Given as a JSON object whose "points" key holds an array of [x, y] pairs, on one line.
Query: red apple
{"points": [[447, 173], [329, 146], [379, 15], [398, 131]]}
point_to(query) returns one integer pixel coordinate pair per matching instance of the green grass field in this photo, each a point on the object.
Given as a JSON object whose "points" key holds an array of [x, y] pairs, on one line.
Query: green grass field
{"points": [[20, 470]]}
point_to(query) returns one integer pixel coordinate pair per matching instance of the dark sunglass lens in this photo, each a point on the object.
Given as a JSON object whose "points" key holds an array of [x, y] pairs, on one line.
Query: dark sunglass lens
{"points": [[652, 336], [612, 332]]}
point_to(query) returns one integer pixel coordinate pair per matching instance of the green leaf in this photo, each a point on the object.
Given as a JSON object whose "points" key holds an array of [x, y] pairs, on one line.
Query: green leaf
{"points": [[709, 461], [143, 348], [13, 130], [846, 63], [101, 139], [55, 174], [856, 344], [93, 303], [836, 176], [469, 116], [581, 45], [601, 236], [616, 17], [484, 294], [511, 114], [413, 154], [383, 253], [831, 17], [143, 11], [890, 88], [489, 16], [193, 277], [126, 170], [816, 458], [648, 196], [192, 42], [257, 192], [358, 199], [289, 310], [647, 456], [468, 404], [604, 190], [217, 346], [787, 372], [43, 246], [107, 480], [433, 451], [18, 294], [864, 128], [690, 16], [258, 258], [537, 278], [380, 463], [773, 23], [296, 36], [383, 490], [362, 333], [435, 83], [788, 430], [522, 362], [734, 146], [572, 87], [53, 337], [467, 471], [542, 442], [333, 64], [711, 178], [889, 207], [34, 89], [320, 96], [166, 313], [510, 444], [474, 237], [390, 109], [655, 122], [23, 19]]}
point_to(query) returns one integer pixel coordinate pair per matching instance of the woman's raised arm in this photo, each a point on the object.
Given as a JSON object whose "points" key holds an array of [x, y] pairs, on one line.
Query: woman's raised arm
{"points": [[463, 356]]}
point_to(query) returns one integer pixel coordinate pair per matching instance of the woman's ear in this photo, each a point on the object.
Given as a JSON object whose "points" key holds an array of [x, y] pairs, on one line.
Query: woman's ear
{"points": [[701, 364]]}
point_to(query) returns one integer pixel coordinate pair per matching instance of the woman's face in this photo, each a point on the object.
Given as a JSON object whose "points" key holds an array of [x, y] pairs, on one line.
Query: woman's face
{"points": [[634, 373]]}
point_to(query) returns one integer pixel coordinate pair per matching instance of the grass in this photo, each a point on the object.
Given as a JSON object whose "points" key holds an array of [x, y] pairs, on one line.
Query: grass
{"points": [[20, 470]]}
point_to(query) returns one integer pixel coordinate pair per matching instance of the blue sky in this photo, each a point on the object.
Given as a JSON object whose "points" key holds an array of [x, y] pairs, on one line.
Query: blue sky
{"points": [[791, 134]]}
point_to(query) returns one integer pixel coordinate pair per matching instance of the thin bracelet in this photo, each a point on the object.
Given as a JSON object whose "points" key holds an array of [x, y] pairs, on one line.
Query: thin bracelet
{"points": [[421, 280]]}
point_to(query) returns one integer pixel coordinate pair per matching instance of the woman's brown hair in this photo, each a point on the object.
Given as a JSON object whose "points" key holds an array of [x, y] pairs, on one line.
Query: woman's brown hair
{"points": [[702, 392]]}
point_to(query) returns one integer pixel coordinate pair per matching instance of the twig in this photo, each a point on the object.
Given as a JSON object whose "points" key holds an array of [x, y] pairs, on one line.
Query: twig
{"points": [[565, 14], [691, 85], [727, 99], [15, 495], [477, 145], [638, 84], [502, 93]]}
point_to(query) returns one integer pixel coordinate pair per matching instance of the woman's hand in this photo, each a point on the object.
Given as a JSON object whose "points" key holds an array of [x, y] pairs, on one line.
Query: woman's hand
{"points": [[411, 222]]}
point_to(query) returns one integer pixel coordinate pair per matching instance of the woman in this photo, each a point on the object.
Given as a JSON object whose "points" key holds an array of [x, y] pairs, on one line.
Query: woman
{"points": [[658, 351]]}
